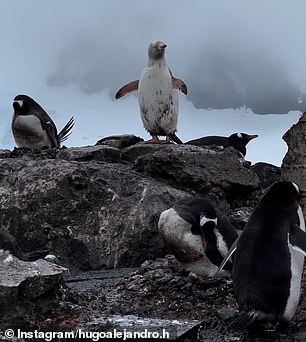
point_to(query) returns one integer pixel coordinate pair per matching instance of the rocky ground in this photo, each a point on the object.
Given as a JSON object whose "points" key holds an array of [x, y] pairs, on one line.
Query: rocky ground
{"points": [[96, 208]]}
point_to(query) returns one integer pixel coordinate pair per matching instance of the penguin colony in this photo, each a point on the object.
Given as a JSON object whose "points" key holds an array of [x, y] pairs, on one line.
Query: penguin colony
{"points": [[266, 261]]}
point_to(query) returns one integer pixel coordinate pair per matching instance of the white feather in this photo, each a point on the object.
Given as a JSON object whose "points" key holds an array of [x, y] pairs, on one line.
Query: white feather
{"points": [[30, 123], [297, 263], [157, 99]]}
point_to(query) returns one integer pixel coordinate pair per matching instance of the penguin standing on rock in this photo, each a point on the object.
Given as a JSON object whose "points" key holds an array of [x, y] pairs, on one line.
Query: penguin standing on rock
{"points": [[237, 140], [197, 235], [157, 95], [269, 258], [33, 128]]}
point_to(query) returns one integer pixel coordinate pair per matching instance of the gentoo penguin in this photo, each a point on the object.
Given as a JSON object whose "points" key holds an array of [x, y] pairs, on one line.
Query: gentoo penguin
{"points": [[237, 140], [269, 258], [33, 128], [157, 95], [9, 243], [198, 235]]}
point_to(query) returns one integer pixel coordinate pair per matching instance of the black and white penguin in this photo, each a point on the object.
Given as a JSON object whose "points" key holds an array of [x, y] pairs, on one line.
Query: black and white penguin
{"points": [[9, 243], [197, 235], [269, 258], [33, 128], [157, 95], [236, 140]]}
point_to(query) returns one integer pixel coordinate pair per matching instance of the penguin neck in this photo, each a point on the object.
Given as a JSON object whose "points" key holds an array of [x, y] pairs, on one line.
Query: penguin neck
{"points": [[160, 62]]}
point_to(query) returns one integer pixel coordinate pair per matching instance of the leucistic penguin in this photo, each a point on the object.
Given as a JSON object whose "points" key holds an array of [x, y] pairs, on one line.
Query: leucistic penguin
{"points": [[157, 95]]}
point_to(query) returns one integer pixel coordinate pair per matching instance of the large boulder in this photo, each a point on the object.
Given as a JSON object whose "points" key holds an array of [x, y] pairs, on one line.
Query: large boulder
{"points": [[294, 163], [98, 206]]}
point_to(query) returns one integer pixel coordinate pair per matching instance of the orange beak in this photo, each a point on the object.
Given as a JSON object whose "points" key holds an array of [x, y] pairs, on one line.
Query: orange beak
{"points": [[303, 194]]}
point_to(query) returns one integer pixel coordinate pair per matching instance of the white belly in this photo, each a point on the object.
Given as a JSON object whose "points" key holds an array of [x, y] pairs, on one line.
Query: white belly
{"points": [[157, 100], [297, 263], [28, 132]]}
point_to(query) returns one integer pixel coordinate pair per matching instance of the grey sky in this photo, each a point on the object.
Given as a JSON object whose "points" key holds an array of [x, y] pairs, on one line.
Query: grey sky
{"points": [[229, 53]]}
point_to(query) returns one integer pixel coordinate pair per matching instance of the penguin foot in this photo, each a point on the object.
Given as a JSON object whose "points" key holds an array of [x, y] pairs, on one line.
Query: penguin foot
{"points": [[154, 140]]}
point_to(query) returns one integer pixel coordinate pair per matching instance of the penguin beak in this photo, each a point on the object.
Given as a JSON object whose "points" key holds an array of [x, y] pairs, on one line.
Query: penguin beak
{"points": [[250, 137], [163, 46], [302, 194]]}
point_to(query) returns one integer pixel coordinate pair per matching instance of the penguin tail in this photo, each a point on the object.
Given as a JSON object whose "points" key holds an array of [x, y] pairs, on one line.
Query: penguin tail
{"points": [[39, 254], [175, 138], [242, 321], [66, 131]]}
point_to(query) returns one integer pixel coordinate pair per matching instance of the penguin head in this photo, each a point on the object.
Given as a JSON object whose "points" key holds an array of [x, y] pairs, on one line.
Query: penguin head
{"points": [[285, 191], [242, 138], [157, 50], [24, 104]]}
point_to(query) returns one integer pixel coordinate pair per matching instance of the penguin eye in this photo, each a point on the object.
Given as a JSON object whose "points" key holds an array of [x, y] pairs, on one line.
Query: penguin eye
{"points": [[239, 135]]}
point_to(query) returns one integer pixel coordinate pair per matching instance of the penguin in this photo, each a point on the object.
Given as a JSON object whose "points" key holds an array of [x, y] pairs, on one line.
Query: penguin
{"points": [[197, 235], [157, 95], [269, 258], [237, 140], [33, 128], [9, 243]]}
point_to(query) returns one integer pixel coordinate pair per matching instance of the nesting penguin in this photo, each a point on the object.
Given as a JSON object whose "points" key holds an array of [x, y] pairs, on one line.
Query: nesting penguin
{"points": [[157, 95], [33, 128], [236, 140], [269, 257], [198, 235]]}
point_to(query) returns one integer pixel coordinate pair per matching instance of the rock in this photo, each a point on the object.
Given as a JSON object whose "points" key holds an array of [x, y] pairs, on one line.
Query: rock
{"points": [[26, 281], [267, 173], [294, 163], [195, 167], [99, 153], [88, 213]]}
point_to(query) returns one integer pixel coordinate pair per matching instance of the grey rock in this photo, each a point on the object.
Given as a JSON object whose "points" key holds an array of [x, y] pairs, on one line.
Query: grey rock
{"points": [[294, 163], [99, 153], [89, 214], [195, 167], [21, 281], [267, 173]]}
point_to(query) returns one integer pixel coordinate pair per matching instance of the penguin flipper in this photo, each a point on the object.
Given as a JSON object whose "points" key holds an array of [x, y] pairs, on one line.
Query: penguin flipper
{"points": [[179, 84], [128, 88], [51, 134], [297, 239], [227, 256]]}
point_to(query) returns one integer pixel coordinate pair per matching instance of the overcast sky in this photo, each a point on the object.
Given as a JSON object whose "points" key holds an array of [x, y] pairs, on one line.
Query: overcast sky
{"points": [[69, 55]]}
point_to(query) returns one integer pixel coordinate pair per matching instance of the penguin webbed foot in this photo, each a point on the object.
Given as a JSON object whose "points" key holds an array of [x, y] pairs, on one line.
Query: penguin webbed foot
{"points": [[153, 140]]}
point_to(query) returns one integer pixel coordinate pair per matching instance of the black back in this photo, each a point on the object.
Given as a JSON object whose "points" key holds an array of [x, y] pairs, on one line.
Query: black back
{"points": [[210, 140], [237, 140], [262, 269]]}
